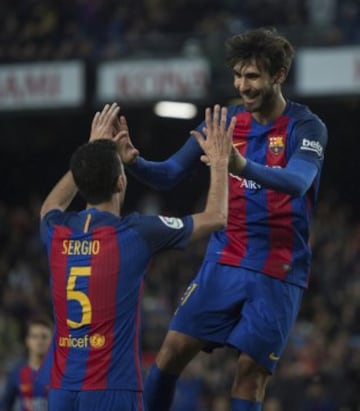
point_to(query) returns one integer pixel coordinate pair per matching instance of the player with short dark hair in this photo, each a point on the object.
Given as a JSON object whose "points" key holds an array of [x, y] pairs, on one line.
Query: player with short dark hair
{"points": [[96, 183], [97, 262], [248, 291], [21, 385]]}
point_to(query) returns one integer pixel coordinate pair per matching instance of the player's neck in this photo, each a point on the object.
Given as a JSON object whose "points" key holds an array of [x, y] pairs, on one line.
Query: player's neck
{"points": [[35, 361], [113, 206], [276, 109]]}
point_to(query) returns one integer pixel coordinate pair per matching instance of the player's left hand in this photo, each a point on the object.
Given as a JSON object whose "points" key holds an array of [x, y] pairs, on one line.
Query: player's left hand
{"points": [[126, 149]]}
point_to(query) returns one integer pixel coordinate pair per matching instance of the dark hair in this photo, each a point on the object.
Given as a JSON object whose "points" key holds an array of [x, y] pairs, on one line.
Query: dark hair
{"points": [[41, 320], [96, 167], [270, 50]]}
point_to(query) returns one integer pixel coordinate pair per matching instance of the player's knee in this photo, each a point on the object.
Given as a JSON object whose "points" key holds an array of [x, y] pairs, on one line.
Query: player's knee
{"points": [[176, 352], [248, 367], [251, 378]]}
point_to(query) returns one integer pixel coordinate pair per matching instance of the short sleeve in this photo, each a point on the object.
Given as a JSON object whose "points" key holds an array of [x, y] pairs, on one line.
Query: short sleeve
{"points": [[48, 221], [162, 232], [311, 141]]}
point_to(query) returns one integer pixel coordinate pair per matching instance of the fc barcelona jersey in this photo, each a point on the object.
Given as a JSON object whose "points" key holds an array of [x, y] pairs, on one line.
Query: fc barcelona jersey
{"points": [[268, 231], [97, 262]]}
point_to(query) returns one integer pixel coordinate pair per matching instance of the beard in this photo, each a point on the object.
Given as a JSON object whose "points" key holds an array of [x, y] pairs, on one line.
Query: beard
{"points": [[261, 102]]}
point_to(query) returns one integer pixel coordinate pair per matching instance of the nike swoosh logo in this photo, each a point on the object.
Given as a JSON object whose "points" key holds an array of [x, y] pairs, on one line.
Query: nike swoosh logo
{"points": [[273, 357], [240, 143]]}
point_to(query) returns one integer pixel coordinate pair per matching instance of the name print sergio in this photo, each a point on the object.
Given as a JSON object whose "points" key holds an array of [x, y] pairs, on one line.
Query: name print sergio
{"points": [[80, 247]]}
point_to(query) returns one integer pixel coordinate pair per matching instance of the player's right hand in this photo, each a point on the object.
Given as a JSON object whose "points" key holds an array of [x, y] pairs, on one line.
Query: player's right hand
{"points": [[218, 143], [109, 124], [103, 123]]}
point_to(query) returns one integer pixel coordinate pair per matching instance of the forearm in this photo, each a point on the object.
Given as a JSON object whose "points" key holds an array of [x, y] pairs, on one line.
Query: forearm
{"points": [[166, 174], [217, 199], [214, 217], [161, 175], [295, 179], [61, 195]]}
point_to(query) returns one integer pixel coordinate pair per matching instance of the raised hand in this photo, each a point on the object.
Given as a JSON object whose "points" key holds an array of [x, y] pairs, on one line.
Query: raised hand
{"points": [[109, 124], [104, 123], [218, 143], [126, 149]]}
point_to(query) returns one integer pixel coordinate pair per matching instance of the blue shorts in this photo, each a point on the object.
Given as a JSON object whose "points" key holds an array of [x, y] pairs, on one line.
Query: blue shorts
{"points": [[233, 306], [95, 400]]}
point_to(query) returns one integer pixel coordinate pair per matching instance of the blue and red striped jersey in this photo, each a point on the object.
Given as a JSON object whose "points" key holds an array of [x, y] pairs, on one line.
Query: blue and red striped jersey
{"points": [[97, 264], [23, 388], [268, 231], [268, 225]]}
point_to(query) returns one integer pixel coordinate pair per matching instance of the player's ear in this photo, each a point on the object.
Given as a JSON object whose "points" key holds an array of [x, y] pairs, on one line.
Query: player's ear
{"points": [[120, 183], [280, 76]]}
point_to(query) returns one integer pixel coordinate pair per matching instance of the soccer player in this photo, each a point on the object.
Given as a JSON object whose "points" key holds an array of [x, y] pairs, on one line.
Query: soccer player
{"points": [[97, 262], [248, 291], [21, 386]]}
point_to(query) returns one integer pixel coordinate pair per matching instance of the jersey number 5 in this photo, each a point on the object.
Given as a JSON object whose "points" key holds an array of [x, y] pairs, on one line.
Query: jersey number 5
{"points": [[79, 296]]}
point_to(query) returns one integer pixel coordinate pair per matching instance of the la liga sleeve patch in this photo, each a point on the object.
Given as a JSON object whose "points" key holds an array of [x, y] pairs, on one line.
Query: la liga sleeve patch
{"points": [[172, 222]]}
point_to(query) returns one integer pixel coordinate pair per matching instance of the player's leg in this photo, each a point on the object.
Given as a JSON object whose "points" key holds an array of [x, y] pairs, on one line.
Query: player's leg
{"points": [[248, 389], [261, 335], [62, 400], [175, 353], [207, 312]]}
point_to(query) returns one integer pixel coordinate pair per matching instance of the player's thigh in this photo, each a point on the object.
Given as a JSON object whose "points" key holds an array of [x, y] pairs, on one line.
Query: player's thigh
{"points": [[177, 351], [62, 400], [266, 320], [211, 305], [110, 400]]}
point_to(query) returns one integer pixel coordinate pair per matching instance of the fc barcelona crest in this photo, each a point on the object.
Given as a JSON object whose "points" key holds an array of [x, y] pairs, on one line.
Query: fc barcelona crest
{"points": [[276, 144]]}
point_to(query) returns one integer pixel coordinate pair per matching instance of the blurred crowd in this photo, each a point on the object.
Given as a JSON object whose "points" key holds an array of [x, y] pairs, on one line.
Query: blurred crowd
{"points": [[92, 29], [320, 370]]}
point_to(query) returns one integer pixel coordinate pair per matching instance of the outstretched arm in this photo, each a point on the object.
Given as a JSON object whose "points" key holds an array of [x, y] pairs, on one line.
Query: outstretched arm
{"points": [[61, 196], [161, 175]]}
